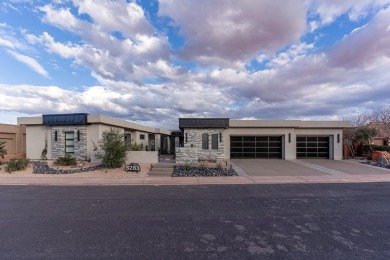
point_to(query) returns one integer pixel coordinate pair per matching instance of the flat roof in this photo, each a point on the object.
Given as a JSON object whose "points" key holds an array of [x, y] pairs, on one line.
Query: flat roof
{"points": [[288, 124], [91, 119], [203, 123]]}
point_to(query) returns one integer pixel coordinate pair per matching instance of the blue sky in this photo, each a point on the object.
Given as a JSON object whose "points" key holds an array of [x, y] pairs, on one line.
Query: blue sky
{"points": [[154, 61]]}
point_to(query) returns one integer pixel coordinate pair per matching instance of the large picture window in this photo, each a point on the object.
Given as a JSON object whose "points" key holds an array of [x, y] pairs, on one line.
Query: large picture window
{"points": [[205, 141], [69, 143]]}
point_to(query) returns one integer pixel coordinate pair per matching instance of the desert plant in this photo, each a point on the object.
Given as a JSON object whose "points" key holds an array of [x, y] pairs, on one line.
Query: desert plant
{"points": [[114, 147], [44, 151], [219, 165], [134, 146], [16, 165], [66, 160], [202, 166], [3, 151], [187, 166]]}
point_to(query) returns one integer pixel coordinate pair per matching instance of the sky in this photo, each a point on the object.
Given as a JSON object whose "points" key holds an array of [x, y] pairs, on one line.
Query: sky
{"points": [[153, 61]]}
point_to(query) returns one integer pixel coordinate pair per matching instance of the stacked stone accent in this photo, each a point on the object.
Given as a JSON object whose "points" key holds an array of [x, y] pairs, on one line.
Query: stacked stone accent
{"points": [[192, 151], [80, 147]]}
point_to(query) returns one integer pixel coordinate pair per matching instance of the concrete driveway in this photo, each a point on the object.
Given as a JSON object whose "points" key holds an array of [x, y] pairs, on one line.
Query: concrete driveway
{"points": [[307, 167]]}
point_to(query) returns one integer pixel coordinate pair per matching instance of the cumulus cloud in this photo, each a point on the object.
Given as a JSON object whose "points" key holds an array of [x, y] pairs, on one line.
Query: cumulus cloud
{"points": [[221, 32], [328, 11], [138, 77], [106, 55], [30, 62], [365, 46]]}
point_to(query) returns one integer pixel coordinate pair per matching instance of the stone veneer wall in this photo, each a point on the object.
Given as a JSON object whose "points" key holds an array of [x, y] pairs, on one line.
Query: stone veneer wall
{"points": [[192, 150], [80, 147]]}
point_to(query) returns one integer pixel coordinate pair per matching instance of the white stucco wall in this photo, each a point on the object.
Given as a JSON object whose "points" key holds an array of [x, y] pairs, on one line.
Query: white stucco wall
{"points": [[35, 141], [94, 133]]}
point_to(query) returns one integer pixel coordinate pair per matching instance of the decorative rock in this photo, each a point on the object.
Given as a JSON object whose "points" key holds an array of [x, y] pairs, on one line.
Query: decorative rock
{"points": [[183, 171], [40, 167]]}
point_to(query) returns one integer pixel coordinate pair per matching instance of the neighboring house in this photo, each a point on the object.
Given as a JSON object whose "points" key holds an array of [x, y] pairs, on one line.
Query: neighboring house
{"points": [[79, 135], [15, 140], [223, 139], [383, 135]]}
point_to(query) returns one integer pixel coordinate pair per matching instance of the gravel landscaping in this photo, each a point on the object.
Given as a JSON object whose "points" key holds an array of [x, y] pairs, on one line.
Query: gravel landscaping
{"points": [[94, 170], [183, 171]]}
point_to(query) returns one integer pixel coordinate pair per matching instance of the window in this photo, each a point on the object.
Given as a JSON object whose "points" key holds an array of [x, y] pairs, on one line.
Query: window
{"points": [[205, 141], [142, 137], [127, 138], [69, 143], [214, 141]]}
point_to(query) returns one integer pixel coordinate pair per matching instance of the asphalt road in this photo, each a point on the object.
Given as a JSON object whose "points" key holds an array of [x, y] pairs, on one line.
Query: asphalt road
{"points": [[308, 221]]}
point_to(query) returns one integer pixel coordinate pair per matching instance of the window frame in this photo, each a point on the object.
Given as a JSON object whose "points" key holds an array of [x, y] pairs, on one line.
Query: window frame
{"points": [[214, 141], [142, 136], [69, 139], [205, 144]]}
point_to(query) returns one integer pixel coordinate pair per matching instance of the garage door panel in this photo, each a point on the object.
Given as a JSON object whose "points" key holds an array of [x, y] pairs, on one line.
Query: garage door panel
{"points": [[256, 147], [312, 147]]}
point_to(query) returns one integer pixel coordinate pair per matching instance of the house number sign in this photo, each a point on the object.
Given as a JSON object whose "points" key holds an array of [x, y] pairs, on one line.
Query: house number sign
{"points": [[133, 167]]}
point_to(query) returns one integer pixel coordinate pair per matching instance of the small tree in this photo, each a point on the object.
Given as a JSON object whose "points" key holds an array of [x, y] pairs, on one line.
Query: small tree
{"points": [[365, 134], [3, 151], [114, 147]]}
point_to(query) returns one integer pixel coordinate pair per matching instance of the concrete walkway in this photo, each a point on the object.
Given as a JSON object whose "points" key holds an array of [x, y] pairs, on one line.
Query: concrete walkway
{"points": [[312, 171]]}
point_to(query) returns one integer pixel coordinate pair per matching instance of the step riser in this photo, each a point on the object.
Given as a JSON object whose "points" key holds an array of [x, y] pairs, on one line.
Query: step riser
{"points": [[162, 170]]}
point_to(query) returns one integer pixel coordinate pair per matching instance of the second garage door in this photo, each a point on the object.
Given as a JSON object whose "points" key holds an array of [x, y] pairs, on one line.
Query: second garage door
{"points": [[256, 147], [312, 147]]}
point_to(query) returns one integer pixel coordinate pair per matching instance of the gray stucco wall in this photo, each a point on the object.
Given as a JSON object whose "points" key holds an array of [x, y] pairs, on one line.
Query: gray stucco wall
{"points": [[58, 147]]}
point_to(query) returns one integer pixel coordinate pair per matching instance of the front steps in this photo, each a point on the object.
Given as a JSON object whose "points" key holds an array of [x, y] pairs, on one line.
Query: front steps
{"points": [[162, 169]]}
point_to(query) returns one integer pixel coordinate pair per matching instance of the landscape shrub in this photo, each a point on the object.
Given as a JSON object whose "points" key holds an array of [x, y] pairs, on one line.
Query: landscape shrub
{"points": [[114, 147], [366, 148], [16, 165], [66, 160]]}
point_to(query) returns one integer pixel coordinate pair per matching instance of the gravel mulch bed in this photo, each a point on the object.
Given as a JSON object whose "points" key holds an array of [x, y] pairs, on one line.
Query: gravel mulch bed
{"points": [[377, 164], [182, 171]]}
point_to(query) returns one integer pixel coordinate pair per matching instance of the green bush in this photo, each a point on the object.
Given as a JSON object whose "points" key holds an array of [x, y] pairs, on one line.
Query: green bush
{"points": [[66, 160], [16, 165], [114, 147], [366, 148], [134, 146]]}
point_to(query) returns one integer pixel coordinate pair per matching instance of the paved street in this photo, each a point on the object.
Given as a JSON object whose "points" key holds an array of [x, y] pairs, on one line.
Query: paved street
{"points": [[302, 221]]}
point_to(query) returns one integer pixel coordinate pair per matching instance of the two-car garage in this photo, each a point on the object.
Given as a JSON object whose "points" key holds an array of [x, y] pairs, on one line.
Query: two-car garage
{"points": [[272, 147]]}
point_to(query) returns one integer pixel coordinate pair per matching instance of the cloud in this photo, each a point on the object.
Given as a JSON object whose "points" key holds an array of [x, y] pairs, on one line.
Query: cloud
{"points": [[232, 31], [30, 62], [328, 11], [366, 46], [129, 17], [102, 52]]}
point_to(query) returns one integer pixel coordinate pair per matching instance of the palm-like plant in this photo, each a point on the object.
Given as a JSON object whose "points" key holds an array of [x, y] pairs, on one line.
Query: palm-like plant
{"points": [[3, 151]]}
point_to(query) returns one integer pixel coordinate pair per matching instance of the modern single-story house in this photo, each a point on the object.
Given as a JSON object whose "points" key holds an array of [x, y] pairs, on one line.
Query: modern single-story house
{"points": [[198, 138], [224, 139], [14, 137], [79, 134]]}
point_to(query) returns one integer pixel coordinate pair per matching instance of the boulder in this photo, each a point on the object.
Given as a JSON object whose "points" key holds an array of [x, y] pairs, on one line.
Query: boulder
{"points": [[375, 155]]}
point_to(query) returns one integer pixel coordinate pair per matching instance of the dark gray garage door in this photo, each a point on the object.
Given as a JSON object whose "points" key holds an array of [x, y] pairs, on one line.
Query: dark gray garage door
{"points": [[256, 147], [312, 147]]}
